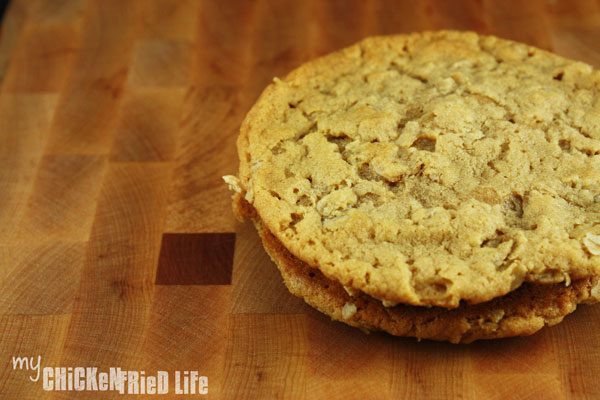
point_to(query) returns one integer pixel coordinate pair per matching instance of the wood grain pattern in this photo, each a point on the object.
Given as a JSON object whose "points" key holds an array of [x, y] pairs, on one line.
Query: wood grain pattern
{"points": [[84, 120], [257, 285], [266, 356], [195, 313], [118, 271], [170, 20], [52, 46], [42, 290], [31, 335], [158, 63], [117, 121], [145, 126], [62, 202], [216, 102], [24, 124], [199, 201]]}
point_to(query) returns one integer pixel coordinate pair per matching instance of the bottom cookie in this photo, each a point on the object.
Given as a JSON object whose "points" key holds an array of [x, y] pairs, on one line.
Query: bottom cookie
{"points": [[519, 313]]}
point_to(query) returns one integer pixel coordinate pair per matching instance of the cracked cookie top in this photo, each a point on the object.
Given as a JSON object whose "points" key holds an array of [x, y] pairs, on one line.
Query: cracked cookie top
{"points": [[431, 168]]}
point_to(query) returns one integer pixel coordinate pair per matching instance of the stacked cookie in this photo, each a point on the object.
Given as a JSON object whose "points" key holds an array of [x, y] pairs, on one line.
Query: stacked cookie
{"points": [[439, 185]]}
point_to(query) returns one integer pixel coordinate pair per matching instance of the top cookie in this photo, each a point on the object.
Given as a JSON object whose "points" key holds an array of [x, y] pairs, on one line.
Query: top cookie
{"points": [[431, 168]]}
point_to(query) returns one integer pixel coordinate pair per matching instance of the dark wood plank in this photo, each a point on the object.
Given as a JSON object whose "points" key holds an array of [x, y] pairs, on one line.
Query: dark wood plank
{"points": [[196, 259]]}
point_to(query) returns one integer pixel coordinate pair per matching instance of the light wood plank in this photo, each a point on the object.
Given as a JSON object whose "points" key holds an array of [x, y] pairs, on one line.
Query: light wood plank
{"points": [[517, 386], [281, 42], [63, 200], [404, 17], [459, 15], [199, 199], [574, 14], [148, 125], [223, 43], [116, 290], [166, 19], [515, 365], [212, 111], [24, 126], [186, 333], [525, 22], [346, 362], [576, 343], [266, 357], [55, 12], [84, 122], [40, 279], [577, 43], [42, 60], [258, 287], [338, 23], [160, 63]]}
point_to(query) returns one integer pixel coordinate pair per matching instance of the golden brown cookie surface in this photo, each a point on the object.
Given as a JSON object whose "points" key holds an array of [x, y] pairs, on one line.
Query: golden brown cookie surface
{"points": [[431, 168]]}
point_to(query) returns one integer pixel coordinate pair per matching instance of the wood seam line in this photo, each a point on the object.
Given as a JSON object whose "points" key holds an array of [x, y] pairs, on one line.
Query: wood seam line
{"points": [[97, 210], [46, 136], [246, 57], [160, 151], [28, 192], [98, 82], [148, 300], [68, 33], [11, 12], [259, 12], [87, 14]]}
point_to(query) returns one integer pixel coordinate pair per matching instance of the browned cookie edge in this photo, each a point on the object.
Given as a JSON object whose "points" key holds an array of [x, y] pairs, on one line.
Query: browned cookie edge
{"points": [[519, 313]]}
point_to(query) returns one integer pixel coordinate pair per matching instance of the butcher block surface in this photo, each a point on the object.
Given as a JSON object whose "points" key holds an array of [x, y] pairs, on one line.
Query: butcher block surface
{"points": [[118, 246]]}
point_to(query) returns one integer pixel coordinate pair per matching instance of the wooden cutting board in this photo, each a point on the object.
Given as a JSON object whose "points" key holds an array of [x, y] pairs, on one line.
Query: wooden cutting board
{"points": [[118, 247]]}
